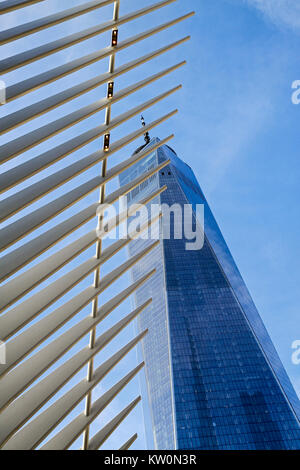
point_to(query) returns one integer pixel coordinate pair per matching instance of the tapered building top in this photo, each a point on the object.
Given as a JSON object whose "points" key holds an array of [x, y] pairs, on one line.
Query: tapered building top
{"points": [[214, 378]]}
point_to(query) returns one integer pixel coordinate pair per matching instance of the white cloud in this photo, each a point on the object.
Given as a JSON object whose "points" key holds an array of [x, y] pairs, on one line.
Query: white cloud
{"points": [[281, 12]]}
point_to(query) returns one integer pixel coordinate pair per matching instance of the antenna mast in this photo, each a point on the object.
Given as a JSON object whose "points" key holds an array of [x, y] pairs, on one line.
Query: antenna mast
{"points": [[146, 135]]}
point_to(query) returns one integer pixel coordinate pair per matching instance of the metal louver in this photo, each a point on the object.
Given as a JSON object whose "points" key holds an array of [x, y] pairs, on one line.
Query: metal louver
{"points": [[32, 375]]}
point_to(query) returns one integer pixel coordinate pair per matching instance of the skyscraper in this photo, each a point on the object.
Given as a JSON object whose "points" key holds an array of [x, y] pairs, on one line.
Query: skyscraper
{"points": [[213, 377], [49, 235]]}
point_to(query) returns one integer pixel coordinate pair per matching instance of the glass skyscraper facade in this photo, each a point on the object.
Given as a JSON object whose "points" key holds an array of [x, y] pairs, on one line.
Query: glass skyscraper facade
{"points": [[213, 377]]}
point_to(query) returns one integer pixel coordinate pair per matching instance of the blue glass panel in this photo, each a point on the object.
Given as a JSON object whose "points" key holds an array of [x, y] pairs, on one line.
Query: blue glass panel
{"points": [[214, 378]]}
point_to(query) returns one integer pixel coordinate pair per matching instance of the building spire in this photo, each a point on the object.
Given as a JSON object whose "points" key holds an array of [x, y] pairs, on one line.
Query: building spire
{"points": [[146, 135]]}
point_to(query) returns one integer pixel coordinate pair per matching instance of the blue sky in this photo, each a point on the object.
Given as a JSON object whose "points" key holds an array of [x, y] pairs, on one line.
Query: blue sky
{"points": [[237, 128]]}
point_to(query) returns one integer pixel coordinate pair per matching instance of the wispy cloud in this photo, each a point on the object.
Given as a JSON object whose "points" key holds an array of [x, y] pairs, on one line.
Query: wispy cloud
{"points": [[246, 118], [280, 12]]}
